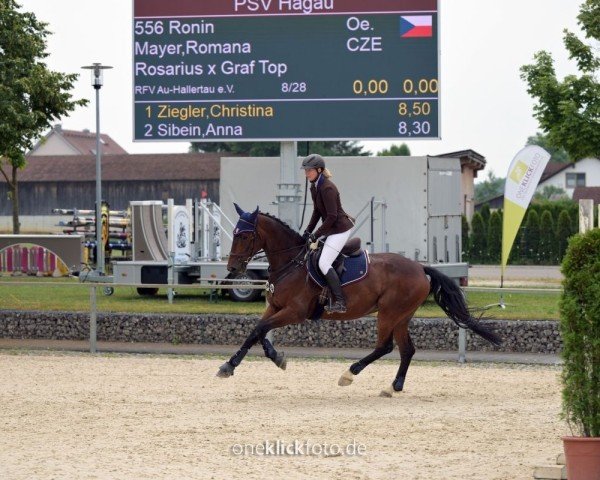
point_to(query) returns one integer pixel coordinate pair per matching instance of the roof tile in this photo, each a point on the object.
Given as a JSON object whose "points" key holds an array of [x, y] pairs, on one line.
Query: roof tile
{"points": [[85, 142], [82, 168]]}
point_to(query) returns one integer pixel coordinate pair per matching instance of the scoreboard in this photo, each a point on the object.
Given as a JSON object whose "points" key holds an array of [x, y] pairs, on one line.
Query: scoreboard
{"points": [[285, 70]]}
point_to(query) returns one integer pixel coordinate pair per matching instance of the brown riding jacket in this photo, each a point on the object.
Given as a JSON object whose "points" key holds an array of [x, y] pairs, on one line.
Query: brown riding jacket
{"points": [[327, 207]]}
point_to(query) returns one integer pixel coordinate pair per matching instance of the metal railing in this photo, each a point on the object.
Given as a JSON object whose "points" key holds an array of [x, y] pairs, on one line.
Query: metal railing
{"points": [[211, 284]]}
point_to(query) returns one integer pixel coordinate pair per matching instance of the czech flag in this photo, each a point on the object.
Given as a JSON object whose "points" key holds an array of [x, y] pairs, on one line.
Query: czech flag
{"points": [[414, 26]]}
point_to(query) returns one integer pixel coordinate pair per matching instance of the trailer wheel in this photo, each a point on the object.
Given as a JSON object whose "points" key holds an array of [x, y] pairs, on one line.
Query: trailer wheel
{"points": [[147, 292], [108, 291], [245, 294]]}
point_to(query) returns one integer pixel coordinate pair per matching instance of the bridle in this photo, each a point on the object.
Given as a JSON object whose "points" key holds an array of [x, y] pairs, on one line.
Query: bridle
{"points": [[249, 253]]}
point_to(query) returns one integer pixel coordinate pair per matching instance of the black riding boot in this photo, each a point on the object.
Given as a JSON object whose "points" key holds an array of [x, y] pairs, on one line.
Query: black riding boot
{"points": [[339, 304]]}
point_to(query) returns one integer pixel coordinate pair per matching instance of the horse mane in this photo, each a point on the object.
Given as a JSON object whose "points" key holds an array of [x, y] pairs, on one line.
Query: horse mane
{"points": [[297, 236]]}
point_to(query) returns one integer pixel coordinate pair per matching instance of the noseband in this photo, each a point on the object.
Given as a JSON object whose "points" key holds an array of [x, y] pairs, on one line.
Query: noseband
{"points": [[248, 253]]}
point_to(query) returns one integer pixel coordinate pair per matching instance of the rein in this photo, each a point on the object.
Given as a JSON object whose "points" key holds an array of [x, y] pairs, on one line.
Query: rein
{"points": [[249, 253], [284, 271], [280, 272]]}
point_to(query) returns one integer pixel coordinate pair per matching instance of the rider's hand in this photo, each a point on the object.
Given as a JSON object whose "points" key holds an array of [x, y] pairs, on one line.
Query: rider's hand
{"points": [[308, 237], [314, 245]]}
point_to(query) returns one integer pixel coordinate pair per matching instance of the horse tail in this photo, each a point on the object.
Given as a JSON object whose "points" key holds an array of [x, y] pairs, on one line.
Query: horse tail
{"points": [[451, 299]]}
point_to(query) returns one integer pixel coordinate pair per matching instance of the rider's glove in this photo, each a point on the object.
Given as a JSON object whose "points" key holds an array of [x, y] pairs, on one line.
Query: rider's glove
{"points": [[308, 237]]}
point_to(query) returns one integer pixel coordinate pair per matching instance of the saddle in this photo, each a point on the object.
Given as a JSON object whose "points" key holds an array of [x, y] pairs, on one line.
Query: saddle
{"points": [[351, 249], [351, 265]]}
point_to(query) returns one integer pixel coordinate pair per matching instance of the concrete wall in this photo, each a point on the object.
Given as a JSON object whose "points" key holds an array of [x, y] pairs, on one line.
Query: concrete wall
{"points": [[468, 191], [218, 329]]}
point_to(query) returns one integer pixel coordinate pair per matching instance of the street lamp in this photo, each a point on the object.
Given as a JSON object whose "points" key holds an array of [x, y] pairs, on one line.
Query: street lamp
{"points": [[97, 82]]}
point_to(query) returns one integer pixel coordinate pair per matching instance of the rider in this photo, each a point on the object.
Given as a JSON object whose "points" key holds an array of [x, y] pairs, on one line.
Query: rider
{"points": [[336, 224]]}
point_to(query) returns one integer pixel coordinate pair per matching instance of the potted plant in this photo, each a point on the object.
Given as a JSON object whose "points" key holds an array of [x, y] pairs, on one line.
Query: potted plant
{"points": [[580, 331]]}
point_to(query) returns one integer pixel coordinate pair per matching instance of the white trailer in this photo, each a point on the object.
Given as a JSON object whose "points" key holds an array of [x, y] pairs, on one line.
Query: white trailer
{"points": [[181, 251], [406, 205]]}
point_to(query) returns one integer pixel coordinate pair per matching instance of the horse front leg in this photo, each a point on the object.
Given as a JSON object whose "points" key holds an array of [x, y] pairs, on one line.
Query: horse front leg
{"points": [[269, 321]]}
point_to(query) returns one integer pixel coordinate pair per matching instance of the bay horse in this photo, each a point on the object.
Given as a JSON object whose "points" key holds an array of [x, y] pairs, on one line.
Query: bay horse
{"points": [[394, 287]]}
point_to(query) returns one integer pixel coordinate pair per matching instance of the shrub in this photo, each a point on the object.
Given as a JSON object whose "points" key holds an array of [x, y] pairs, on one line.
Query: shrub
{"points": [[465, 236], [532, 236], [547, 247], [477, 252], [580, 331], [494, 238], [563, 232], [485, 215], [517, 248]]}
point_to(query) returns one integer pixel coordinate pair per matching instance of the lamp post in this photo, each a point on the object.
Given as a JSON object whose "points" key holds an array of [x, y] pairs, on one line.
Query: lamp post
{"points": [[97, 82]]}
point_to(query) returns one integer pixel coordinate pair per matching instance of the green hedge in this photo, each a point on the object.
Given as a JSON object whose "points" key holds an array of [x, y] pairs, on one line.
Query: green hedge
{"points": [[580, 332], [541, 239]]}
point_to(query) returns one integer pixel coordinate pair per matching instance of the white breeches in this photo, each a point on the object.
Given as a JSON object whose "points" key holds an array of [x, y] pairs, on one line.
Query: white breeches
{"points": [[331, 249]]}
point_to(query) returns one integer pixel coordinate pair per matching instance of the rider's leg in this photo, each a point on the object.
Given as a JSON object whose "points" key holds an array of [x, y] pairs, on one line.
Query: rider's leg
{"points": [[331, 249]]}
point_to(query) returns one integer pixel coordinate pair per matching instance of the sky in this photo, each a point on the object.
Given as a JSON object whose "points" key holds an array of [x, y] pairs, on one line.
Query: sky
{"points": [[484, 103]]}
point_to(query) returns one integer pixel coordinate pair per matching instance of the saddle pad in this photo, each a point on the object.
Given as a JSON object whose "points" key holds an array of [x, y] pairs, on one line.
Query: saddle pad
{"points": [[356, 268]]}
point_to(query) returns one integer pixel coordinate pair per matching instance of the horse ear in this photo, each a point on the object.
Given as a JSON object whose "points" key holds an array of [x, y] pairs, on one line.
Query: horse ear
{"points": [[238, 209], [254, 214]]}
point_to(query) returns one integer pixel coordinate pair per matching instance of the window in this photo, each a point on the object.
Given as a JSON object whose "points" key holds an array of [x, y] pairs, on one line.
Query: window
{"points": [[575, 180]]}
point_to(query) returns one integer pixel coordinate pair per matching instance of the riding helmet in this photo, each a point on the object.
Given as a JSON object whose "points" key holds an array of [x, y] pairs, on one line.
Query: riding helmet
{"points": [[314, 160]]}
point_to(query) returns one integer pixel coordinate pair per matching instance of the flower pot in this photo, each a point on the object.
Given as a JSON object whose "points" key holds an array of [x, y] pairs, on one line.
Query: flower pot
{"points": [[582, 455]]}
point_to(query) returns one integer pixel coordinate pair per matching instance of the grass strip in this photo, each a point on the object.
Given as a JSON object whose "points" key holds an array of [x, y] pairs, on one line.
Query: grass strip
{"points": [[50, 294]]}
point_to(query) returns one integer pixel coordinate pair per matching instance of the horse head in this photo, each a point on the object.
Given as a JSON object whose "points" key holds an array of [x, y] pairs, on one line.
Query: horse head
{"points": [[246, 242]]}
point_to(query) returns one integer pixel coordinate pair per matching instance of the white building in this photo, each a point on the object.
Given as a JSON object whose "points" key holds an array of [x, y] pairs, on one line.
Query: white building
{"points": [[568, 176], [72, 142]]}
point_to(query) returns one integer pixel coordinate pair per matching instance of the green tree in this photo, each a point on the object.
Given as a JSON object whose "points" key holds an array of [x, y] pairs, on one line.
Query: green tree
{"points": [[32, 97], [575, 222], [568, 110], [563, 232], [547, 249], [465, 236], [395, 151], [477, 239], [271, 149], [489, 188], [494, 237], [556, 154], [550, 192], [532, 236], [485, 215]]}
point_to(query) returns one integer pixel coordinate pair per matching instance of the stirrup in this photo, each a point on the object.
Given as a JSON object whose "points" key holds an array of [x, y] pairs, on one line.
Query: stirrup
{"points": [[337, 307]]}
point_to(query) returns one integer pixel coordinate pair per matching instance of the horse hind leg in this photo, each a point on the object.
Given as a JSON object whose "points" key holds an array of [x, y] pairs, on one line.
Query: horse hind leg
{"points": [[407, 350], [278, 358], [385, 344]]}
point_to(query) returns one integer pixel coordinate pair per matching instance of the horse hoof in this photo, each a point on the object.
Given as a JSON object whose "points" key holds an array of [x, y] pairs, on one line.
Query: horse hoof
{"points": [[387, 393], [346, 379], [225, 370], [281, 361]]}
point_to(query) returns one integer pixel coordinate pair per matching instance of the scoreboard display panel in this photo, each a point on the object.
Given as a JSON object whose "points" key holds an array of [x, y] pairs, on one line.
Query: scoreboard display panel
{"points": [[285, 70]]}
